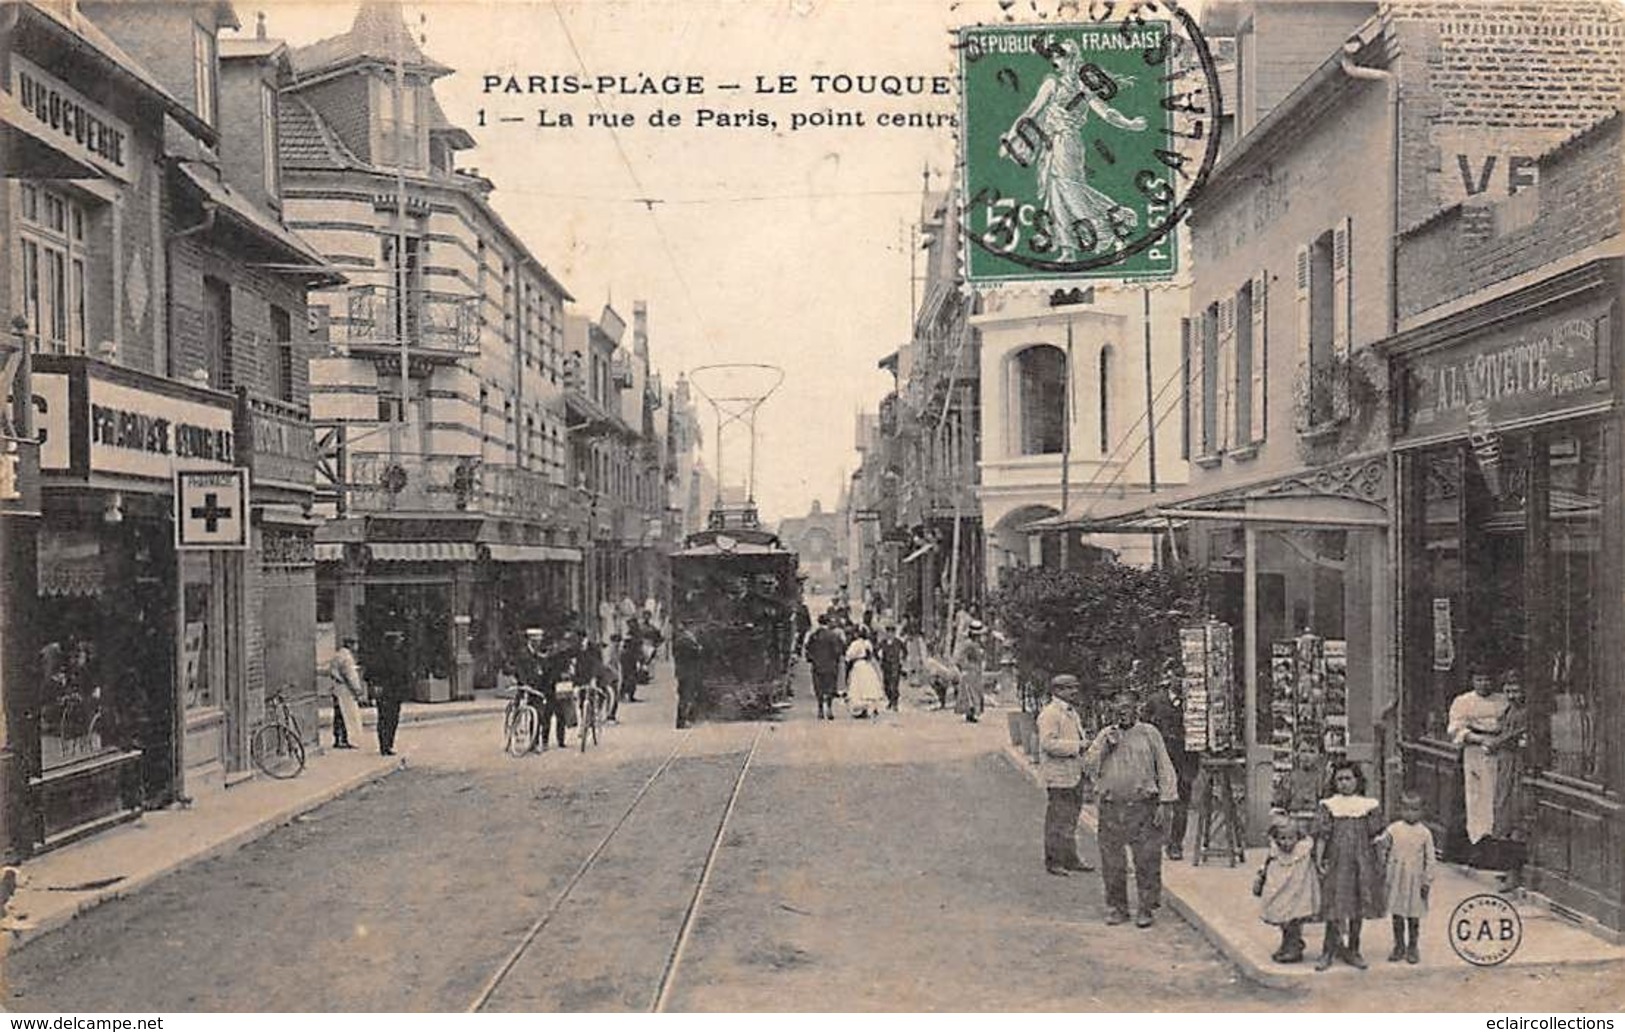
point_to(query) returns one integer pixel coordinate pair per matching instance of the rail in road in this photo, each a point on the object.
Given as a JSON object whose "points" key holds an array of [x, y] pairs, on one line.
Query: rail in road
{"points": [[614, 910]]}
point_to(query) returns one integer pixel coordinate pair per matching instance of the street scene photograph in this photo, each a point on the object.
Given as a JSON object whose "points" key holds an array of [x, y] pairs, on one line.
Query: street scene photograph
{"points": [[812, 506]]}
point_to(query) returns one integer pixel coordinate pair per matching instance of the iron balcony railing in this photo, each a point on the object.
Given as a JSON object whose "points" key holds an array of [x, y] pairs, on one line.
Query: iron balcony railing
{"points": [[431, 321], [450, 484]]}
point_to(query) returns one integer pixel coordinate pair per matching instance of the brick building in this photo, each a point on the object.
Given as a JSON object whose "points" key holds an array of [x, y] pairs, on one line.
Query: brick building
{"points": [[447, 488], [1371, 188], [161, 296]]}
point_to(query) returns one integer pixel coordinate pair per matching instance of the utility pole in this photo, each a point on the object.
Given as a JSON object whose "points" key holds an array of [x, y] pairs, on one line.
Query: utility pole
{"points": [[402, 278], [1150, 417], [1066, 447]]}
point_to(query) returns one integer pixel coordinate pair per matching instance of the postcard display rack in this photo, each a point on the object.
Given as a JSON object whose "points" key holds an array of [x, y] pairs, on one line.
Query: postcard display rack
{"points": [[1209, 687], [1309, 720]]}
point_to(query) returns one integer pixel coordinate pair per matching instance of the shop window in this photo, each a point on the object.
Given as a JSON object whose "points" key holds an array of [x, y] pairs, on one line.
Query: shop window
{"points": [[197, 683], [1041, 385], [51, 243], [1573, 641]]}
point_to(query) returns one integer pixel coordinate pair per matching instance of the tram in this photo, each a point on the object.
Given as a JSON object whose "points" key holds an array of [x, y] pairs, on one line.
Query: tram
{"points": [[734, 587]]}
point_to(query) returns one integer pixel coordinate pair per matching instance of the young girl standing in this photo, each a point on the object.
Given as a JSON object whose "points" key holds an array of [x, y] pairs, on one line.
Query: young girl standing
{"points": [[1409, 874], [1346, 824], [1288, 887]]}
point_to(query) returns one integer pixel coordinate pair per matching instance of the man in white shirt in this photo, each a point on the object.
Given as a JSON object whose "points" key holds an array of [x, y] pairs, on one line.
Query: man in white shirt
{"points": [[348, 690], [1060, 748]]}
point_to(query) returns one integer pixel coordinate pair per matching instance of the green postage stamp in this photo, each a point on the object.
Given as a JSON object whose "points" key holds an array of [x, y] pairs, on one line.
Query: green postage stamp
{"points": [[1082, 144]]}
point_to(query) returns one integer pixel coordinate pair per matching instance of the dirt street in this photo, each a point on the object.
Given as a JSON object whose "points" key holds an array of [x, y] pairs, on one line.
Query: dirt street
{"points": [[890, 865]]}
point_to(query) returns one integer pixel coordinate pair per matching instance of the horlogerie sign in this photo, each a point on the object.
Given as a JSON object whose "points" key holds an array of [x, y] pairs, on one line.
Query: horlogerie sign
{"points": [[1081, 145]]}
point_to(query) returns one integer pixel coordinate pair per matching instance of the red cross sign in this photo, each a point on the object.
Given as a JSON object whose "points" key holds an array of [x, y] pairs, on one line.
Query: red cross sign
{"points": [[211, 509]]}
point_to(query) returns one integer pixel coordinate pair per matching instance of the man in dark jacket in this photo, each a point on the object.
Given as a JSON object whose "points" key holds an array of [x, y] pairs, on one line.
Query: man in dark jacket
{"points": [[825, 650], [890, 650], [1165, 710], [688, 656], [390, 673]]}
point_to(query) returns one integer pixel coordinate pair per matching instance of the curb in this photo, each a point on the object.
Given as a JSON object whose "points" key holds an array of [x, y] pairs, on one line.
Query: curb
{"points": [[369, 717], [21, 937]]}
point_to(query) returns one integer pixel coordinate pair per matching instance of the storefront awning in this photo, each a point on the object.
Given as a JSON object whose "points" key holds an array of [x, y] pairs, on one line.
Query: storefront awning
{"points": [[329, 551], [424, 552], [533, 554]]}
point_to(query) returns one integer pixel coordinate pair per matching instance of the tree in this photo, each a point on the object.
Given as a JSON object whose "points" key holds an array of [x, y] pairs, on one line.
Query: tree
{"points": [[1095, 622]]}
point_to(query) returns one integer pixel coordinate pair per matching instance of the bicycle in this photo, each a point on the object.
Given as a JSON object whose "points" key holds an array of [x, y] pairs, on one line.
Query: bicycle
{"points": [[277, 747], [591, 700], [521, 721]]}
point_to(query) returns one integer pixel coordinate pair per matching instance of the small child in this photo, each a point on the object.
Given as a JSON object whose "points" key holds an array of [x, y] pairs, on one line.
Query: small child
{"points": [[1288, 886], [1346, 826], [1409, 874]]}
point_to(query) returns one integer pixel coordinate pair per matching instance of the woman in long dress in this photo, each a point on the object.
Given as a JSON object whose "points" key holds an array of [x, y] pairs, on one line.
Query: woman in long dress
{"points": [[1081, 216], [865, 692], [969, 660]]}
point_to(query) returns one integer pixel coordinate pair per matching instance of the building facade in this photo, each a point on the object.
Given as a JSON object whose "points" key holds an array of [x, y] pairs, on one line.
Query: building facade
{"points": [[1065, 406], [440, 401], [163, 302]]}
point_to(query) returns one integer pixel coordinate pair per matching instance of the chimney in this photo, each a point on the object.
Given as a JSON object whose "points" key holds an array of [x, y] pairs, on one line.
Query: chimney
{"points": [[640, 327], [259, 25]]}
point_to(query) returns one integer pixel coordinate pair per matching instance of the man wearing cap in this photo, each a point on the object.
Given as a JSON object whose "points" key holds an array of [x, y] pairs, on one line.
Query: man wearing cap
{"points": [[889, 650], [1136, 786], [1060, 748], [1165, 709], [390, 673], [347, 690]]}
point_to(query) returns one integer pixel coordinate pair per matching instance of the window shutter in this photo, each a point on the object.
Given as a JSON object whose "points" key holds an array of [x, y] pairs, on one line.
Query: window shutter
{"points": [[1227, 373], [1191, 379], [1342, 312], [1302, 391], [1260, 357]]}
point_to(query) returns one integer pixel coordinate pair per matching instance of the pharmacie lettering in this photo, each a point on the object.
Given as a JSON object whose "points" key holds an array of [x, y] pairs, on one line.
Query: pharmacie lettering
{"points": [[67, 117], [138, 431]]}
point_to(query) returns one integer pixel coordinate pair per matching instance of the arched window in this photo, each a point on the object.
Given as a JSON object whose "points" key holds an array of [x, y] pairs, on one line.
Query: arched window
{"points": [[1105, 399], [1041, 396]]}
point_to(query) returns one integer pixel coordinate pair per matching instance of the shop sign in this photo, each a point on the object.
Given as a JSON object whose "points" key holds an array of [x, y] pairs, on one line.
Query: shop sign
{"points": [[80, 127], [211, 509], [280, 448], [1549, 366], [126, 430]]}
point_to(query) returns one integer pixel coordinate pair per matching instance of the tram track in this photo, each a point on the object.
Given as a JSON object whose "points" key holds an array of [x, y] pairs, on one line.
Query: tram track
{"points": [[592, 890]]}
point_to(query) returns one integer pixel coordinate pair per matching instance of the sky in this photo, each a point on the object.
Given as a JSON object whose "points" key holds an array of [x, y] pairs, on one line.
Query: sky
{"points": [[788, 248]]}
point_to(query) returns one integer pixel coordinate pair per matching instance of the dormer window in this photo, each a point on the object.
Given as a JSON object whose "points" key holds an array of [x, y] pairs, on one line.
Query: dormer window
{"points": [[398, 124], [204, 63]]}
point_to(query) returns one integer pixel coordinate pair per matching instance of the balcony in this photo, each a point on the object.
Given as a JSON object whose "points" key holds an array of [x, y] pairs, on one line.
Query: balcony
{"points": [[452, 485], [437, 325]]}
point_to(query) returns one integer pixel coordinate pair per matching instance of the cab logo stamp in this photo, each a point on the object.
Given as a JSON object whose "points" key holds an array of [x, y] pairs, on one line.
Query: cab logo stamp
{"points": [[1084, 143], [1485, 930]]}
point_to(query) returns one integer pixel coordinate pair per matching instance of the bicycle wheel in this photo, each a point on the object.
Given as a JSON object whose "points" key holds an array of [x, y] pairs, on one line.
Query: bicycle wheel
{"points": [[521, 730], [277, 752], [589, 721]]}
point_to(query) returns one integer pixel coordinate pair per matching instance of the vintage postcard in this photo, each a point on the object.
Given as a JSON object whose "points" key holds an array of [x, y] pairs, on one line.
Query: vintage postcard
{"points": [[809, 505]]}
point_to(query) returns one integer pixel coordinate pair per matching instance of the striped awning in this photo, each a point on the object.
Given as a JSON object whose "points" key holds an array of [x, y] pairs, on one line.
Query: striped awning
{"points": [[533, 554], [423, 552]]}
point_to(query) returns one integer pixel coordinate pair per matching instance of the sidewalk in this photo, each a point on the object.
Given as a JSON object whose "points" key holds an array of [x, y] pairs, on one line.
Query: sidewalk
{"points": [[65, 882], [1217, 901]]}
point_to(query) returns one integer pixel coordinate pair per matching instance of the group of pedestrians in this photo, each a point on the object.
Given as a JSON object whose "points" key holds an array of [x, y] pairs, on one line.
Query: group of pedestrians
{"points": [[868, 661], [386, 686], [1341, 866]]}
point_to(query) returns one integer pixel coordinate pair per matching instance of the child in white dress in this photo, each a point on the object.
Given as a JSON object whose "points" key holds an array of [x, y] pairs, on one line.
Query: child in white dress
{"points": [[1409, 869], [1288, 886]]}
